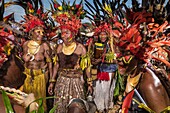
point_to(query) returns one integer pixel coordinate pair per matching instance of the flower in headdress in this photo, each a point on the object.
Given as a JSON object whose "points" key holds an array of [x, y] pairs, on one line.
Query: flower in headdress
{"points": [[56, 4], [39, 11], [78, 6], [60, 8], [30, 8]]}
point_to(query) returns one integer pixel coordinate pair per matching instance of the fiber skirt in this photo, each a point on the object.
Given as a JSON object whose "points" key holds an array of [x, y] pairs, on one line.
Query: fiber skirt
{"points": [[67, 88]]}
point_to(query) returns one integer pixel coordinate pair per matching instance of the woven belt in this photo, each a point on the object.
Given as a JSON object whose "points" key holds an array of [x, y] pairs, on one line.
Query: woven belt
{"points": [[71, 73]]}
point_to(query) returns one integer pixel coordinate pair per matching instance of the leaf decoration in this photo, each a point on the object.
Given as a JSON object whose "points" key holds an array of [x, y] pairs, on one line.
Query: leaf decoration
{"points": [[7, 102]]}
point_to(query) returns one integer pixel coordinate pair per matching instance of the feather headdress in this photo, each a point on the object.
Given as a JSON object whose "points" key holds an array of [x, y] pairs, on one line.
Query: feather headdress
{"points": [[68, 16], [6, 45], [134, 38], [104, 27], [31, 22]]}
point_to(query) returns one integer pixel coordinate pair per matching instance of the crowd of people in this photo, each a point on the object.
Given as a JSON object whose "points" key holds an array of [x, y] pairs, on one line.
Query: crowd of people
{"points": [[68, 69]]}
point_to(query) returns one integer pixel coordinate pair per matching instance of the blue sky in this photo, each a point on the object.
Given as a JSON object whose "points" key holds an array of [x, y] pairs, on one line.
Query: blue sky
{"points": [[18, 11]]}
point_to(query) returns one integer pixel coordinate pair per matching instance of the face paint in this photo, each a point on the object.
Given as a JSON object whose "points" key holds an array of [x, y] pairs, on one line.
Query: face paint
{"points": [[103, 36], [40, 31], [38, 34], [66, 35]]}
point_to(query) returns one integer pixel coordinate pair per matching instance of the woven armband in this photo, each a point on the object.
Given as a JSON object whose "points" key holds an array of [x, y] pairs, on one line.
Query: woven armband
{"points": [[52, 81], [89, 79]]}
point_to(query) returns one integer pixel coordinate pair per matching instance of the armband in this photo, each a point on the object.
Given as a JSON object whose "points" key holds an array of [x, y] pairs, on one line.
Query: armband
{"points": [[52, 81], [89, 79], [94, 77]]}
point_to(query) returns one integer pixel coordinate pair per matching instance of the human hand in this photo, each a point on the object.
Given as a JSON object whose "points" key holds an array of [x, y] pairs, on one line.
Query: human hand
{"points": [[77, 67], [96, 61], [30, 98], [50, 89], [27, 101]]}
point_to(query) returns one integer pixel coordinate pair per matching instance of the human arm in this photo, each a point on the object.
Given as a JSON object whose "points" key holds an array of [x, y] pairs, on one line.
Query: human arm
{"points": [[26, 57], [96, 61], [96, 57], [53, 78], [54, 75], [111, 56], [88, 74], [47, 54]]}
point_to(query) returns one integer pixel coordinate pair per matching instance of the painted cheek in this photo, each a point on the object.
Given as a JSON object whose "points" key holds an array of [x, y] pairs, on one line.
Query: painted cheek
{"points": [[63, 34]]}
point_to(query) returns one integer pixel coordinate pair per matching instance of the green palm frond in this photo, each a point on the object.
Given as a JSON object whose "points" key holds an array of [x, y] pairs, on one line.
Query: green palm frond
{"points": [[40, 107], [101, 10], [74, 2], [53, 109], [7, 102]]}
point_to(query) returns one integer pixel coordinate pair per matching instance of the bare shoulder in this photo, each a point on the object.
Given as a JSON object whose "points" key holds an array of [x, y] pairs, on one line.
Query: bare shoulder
{"points": [[81, 48], [24, 46], [25, 43], [79, 45], [46, 45]]}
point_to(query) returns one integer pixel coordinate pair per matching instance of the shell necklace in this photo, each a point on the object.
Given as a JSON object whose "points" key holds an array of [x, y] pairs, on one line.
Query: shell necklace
{"points": [[33, 48]]}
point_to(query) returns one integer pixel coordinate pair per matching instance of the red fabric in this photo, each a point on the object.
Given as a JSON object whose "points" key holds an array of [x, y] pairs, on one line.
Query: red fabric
{"points": [[127, 102], [103, 76]]}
